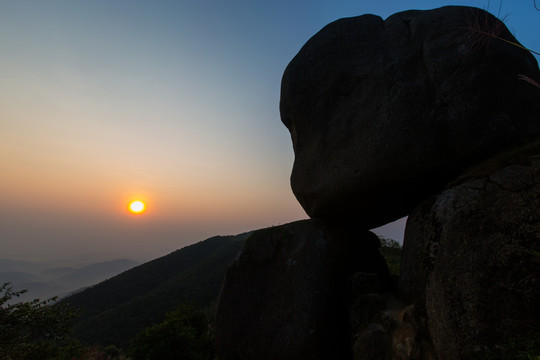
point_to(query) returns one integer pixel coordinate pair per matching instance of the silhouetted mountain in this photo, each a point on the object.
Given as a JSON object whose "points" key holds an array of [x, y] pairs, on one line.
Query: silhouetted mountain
{"points": [[43, 281], [116, 309], [56, 272], [17, 276], [39, 290], [94, 273], [7, 265]]}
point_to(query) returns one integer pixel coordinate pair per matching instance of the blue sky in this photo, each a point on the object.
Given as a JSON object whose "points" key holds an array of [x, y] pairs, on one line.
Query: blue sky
{"points": [[173, 102]]}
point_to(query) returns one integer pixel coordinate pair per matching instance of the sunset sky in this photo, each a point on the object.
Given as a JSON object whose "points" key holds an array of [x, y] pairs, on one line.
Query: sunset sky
{"points": [[171, 102]]}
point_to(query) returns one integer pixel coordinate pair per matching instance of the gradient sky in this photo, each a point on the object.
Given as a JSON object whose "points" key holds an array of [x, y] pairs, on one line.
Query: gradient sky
{"points": [[173, 102]]}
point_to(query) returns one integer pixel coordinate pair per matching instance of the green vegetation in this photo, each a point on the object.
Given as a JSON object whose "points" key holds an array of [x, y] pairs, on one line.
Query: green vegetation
{"points": [[141, 297], [129, 311], [33, 329], [184, 334], [391, 251]]}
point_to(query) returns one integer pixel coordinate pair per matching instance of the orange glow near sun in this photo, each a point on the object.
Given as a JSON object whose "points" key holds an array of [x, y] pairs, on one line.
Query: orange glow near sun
{"points": [[137, 207]]}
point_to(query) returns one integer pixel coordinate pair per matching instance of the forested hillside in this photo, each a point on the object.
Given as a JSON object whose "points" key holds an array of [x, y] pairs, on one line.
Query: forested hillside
{"points": [[44, 280], [117, 309]]}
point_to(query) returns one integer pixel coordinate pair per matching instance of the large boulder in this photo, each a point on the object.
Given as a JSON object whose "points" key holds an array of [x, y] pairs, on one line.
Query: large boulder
{"points": [[471, 257], [382, 114], [286, 296], [281, 298]]}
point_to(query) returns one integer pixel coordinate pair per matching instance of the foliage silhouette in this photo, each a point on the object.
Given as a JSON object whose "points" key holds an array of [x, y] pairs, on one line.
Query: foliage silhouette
{"points": [[32, 329], [183, 335]]}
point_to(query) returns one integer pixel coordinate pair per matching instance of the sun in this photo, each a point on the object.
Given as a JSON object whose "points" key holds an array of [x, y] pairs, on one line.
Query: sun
{"points": [[137, 207]]}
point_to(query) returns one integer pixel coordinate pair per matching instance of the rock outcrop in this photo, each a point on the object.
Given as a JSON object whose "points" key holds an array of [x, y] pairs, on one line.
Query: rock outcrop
{"points": [[383, 114], [280, 299], [421, 114], [286, 296], [472, 256]]}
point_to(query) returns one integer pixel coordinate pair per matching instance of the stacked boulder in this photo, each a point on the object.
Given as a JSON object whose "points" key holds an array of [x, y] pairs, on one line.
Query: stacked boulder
{"points": [[287, 295], [383, 114], [427, 114], [471, 260]]}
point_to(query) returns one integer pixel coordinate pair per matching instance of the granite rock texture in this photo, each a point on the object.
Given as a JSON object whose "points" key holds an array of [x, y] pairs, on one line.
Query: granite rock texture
{"points": [[384, 113], [471, 256]]}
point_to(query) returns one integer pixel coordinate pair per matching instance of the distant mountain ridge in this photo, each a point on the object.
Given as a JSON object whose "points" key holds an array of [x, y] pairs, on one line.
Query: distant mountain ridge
{"points": [[141, 297], [7, 265], [43, 281]]}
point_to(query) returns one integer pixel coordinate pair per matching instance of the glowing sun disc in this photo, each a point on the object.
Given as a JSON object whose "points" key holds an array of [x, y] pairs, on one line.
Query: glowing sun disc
{"points": [[136, 207]]}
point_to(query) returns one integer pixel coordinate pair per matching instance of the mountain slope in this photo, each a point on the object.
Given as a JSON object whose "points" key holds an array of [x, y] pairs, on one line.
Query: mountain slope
{"points": [[17, 276], [141, 296], [7, 265], [43, 281], [93, 273]]}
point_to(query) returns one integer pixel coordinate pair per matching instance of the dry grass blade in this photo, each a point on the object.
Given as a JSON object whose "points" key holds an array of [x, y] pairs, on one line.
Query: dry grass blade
{"points": [[506, 41], [529, 80]]}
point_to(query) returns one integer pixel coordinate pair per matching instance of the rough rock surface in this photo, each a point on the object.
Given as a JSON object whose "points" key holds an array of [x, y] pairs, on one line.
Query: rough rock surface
{"points": [[471, 256], [286, 295], [382, 114], [372, 343], [280, 299]]}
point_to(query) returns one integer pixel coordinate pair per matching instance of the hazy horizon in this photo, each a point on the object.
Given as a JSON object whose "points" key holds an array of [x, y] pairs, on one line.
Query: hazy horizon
{"points": [[175, 103]]}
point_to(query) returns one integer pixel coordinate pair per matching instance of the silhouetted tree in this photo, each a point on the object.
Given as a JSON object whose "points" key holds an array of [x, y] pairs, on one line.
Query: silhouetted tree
{"points": [[31, 329], [183, 335]]}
